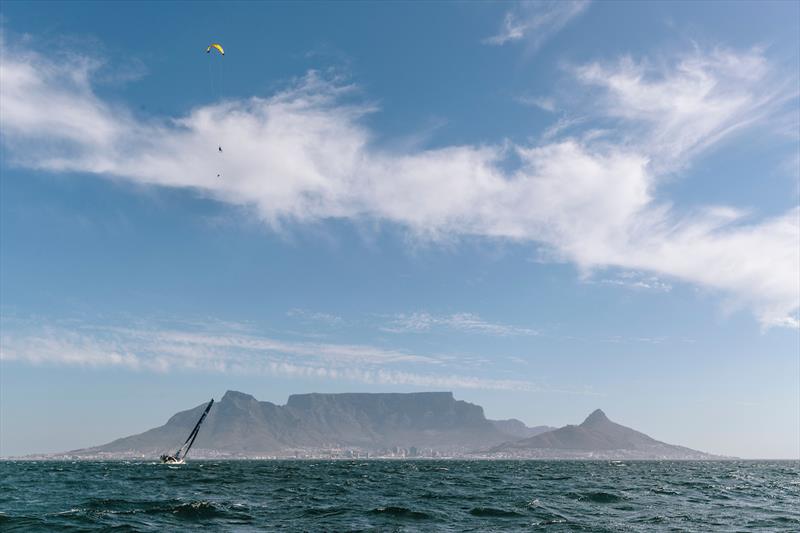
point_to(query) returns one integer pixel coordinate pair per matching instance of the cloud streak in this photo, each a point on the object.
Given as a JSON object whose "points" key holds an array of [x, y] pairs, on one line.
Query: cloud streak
{"points": [[635, 280], [315, 316], [463, 322], [536, 21], [151, 349], [304, 155], [674, 112]]}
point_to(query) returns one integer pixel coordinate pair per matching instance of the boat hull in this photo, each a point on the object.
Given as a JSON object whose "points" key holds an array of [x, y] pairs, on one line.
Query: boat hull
{"points": [[178, 457]]}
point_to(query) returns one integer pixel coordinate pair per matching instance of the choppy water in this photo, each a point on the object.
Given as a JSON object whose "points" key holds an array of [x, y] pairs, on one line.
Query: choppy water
{"points": [[400, 496]]}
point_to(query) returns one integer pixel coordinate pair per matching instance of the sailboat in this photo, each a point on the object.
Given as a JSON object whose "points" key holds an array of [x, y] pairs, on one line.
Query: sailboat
{"points": [[178, 457]]}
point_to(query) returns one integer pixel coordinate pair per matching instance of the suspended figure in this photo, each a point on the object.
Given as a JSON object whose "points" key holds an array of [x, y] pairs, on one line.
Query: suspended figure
{"points": [[218, 48]]}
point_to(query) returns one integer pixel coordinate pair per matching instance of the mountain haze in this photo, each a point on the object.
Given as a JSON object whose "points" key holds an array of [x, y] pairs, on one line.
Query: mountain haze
{"points": [[241, 425], [517, 428], [387, 424]]}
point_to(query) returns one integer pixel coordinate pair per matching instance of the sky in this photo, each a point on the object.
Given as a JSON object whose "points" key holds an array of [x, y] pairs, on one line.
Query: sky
{"points": [[544, 207]]}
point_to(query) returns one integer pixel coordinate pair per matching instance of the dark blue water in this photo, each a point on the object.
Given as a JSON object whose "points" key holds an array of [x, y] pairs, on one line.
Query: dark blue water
{"points": [[400, 496]]}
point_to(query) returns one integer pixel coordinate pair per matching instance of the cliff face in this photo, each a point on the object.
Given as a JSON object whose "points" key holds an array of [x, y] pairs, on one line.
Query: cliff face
{"points": [[240, 424]]}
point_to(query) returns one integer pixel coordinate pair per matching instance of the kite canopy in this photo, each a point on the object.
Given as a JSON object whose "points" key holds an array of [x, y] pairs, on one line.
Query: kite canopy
{"points": [[217, 46]]}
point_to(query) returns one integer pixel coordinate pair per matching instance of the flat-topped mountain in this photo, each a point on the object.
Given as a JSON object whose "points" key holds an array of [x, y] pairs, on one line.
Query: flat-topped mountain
{"points": [[597, 437], [422, 423], [240, 425]]}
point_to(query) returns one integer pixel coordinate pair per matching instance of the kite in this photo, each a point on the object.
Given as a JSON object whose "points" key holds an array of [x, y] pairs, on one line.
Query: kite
{"points": [[215, 46]]}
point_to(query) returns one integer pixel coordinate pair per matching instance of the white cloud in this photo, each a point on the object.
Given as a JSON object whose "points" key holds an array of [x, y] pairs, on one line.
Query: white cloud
{"points": [[677, 110], [536, 21], [315, 316], [465, 322], [155, 350], [304, 155], [544, 103], [563, 124], [637, 280]]}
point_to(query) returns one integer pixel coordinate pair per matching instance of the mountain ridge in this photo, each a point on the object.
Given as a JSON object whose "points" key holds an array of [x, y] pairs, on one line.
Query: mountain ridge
{"points": [[596, 437], [240, 425], [386, 424]]}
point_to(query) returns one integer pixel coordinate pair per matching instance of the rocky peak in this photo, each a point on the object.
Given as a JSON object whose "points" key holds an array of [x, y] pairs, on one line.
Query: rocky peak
{"points": [[236, 397], [597, 418]]}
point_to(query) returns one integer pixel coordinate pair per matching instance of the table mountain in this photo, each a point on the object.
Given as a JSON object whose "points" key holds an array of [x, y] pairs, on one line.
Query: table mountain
{"points": [[240, 425], [430, 422]]}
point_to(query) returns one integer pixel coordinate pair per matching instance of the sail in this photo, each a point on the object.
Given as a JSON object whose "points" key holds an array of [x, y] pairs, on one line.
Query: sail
{"points": [[181, 453]]}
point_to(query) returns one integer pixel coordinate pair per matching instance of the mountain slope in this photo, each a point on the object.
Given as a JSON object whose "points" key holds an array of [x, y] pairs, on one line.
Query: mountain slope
{"points": [[518, 429], [599, 437]]}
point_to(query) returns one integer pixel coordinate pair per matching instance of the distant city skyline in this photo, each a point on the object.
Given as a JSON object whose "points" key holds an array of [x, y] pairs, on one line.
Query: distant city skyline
{"points": [[544, 207]]}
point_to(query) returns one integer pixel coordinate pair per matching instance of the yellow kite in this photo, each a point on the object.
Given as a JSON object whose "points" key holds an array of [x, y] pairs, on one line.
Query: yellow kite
{"points": [[217, 46]]}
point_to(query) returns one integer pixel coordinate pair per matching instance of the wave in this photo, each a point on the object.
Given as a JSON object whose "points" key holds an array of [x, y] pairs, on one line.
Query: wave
{"points": [[191, 510], [596, 497], [22, 523], [382, 496], [492, 511], [323, 512], [401, 512], [198, 510]]}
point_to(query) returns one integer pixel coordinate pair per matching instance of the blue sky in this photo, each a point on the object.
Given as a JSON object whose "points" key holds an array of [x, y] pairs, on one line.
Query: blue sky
{"points": [[544, 207]]}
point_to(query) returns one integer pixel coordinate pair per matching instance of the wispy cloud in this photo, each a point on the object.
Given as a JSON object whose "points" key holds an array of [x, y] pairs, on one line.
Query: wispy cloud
{"points": [[315, 316], [591, 201], [637, 280], [563, 124], [676, 110], [536, 21], [620, 339], [152, 349], [544, 103], [464, 322]]}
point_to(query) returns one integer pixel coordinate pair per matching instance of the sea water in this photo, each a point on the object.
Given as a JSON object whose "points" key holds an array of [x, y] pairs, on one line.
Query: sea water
{"points": [[386, 495]]}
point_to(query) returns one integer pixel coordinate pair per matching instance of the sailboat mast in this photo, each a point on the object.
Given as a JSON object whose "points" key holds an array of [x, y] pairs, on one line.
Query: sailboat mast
{"points": [[193, 435]]}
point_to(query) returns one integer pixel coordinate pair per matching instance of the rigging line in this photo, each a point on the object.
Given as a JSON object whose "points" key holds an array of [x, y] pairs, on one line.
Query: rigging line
{"points": [[210, 78]]}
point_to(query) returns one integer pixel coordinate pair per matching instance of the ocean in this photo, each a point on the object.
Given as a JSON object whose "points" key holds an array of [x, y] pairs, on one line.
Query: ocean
{"points": [[387, 495]]}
